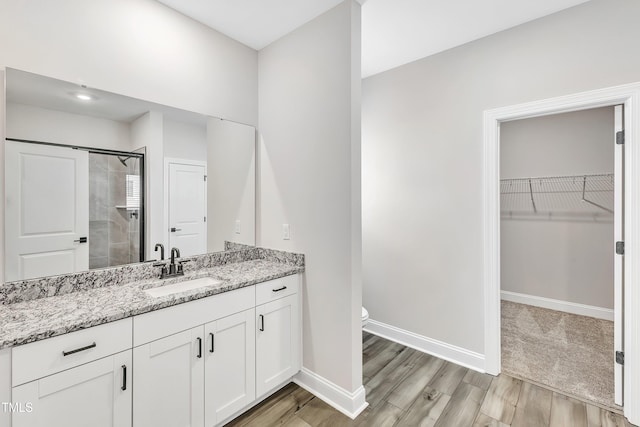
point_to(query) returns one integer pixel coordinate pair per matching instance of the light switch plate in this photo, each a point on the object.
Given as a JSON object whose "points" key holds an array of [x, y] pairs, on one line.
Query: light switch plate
{"points": [[286, 232], [237, 227]]}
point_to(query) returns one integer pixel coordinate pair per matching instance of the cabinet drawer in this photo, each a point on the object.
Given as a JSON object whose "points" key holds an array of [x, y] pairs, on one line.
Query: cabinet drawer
{"points": [[46, 357], [171, 320], [278, 288]]}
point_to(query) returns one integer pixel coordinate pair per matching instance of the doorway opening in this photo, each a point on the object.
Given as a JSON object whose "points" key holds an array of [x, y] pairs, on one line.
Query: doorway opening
{"points": [[557, 200], [629, 96]]}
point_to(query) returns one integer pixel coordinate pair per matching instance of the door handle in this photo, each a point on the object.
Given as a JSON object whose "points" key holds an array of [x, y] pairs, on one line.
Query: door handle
{"points": [[213, 346], [173, 229], [81, 240], [261, 323], [199, 348]]}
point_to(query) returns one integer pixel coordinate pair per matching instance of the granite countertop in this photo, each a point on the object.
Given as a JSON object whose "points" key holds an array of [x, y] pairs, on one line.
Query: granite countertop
{"points": [[32, 320]]}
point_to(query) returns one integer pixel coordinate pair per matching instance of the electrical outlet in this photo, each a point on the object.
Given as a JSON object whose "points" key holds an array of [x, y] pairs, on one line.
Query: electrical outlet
{"points": [[237, 227], [286, 232]]}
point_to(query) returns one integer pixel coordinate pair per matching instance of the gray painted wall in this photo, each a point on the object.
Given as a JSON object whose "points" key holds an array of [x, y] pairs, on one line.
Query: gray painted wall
{"points": [[309, 83], [185, 140], [422, 157], [569, 258], [231, 183], [42, 124], [126, 47]]}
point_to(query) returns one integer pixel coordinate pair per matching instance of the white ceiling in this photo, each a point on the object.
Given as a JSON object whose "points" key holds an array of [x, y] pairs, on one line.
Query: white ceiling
{"points": [[394, 32], [255, 23]]}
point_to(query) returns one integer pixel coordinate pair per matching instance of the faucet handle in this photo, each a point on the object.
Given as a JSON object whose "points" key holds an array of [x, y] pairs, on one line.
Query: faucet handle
{"points": [[163, 270], [180, 267]]}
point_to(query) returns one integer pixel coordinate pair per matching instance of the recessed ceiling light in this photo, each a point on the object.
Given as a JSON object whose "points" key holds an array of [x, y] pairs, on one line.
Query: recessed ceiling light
{"points": [[84, 97]]}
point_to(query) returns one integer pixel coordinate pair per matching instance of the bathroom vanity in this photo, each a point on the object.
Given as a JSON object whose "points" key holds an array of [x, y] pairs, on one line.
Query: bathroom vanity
{"points": [[113, 348]]}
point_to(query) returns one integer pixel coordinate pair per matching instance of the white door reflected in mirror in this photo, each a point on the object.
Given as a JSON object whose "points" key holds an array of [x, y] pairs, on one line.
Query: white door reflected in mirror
{"points": [[187, 200], [47, 189]]}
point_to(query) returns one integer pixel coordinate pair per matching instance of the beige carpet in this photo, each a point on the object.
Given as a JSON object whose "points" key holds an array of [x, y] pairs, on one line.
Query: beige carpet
{"points": [[571, 353]]}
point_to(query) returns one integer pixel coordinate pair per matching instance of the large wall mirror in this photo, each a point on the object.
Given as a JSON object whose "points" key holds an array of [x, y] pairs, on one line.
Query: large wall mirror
{"points": [[95, 179]]}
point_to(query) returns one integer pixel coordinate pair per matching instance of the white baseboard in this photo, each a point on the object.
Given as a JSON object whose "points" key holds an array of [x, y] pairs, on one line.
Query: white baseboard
{"points": [[452, 353], [350, 404], [554, 304]]}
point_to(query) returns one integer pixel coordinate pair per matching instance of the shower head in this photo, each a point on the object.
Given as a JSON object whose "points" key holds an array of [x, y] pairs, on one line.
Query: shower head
{"points": [[124, 160]]}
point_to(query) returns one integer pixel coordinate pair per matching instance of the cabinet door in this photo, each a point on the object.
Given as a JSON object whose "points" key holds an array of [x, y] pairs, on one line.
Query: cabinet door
{"points": [[94, 394], [230, 380], [277, 343], [168, 376]]}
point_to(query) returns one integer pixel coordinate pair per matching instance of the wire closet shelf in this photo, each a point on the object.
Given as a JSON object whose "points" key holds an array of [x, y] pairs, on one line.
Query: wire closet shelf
{"points": [[580, 196]]}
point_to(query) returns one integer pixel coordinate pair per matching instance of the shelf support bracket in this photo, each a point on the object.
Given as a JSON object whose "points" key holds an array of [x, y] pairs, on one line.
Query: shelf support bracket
{"points": [[533, 202], [584, 188]]}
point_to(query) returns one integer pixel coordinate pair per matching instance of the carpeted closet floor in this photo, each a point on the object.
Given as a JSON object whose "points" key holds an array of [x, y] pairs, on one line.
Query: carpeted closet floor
{"points": [[567, 352]]}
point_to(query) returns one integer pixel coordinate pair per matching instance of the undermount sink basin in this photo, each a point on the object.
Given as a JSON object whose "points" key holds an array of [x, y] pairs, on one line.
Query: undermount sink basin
{"points": [[184, 286]]}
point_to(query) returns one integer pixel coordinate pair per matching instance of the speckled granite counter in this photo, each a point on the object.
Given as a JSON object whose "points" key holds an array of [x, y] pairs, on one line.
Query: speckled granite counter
{"points": [[82, 300]]}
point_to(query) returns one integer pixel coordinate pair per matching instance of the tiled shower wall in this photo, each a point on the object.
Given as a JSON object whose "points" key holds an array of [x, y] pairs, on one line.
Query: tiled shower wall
{"points": [[114, 233]]}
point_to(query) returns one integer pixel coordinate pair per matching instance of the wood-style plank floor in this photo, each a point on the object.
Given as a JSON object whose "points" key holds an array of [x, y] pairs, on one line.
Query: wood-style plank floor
{"points": [[408, 388]]}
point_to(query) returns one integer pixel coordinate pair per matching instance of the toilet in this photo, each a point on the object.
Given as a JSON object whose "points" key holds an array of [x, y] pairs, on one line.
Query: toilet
{"points": [[365, 317]]}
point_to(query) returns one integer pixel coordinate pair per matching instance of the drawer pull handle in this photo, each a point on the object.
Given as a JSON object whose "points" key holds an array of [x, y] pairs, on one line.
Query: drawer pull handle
{"points": [[279, 289], [199, 348], [87, 347], [261, 323], [213, 346], [124, 378]]}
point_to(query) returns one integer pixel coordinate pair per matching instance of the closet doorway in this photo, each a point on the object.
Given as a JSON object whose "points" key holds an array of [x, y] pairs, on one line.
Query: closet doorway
{"points": [[561, 214], [629, 96]]}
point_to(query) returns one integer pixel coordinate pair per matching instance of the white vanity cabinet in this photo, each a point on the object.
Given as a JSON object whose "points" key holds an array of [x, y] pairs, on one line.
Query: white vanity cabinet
{"points": [[197, 377], [230, 368], [169, 381], [75, 380], [278, 335], [201, 375], [95, 394], [194, 364]]}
